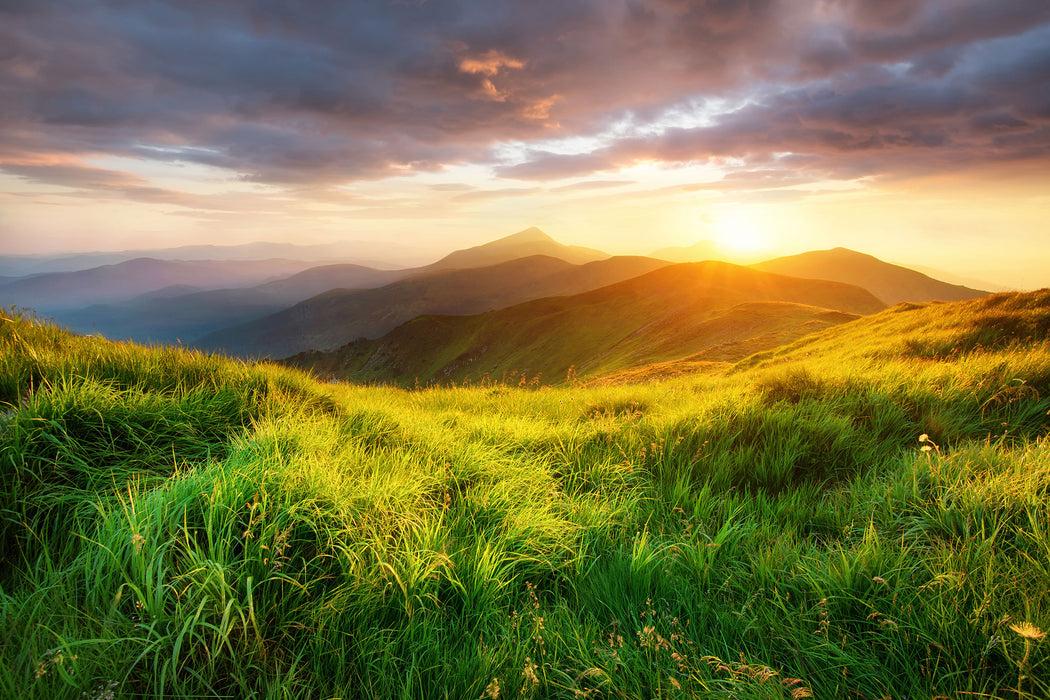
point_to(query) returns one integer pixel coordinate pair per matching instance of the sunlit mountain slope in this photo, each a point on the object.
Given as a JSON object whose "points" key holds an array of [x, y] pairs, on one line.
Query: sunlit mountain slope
{"points": [[717, 310], [339, 316], [890, 283]]}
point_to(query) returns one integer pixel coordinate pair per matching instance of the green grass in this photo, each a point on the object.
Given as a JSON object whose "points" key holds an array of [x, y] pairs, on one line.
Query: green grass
{"points": [[178, 525]]}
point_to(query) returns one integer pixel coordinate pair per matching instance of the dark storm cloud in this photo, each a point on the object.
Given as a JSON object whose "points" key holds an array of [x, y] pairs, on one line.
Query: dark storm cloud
{"points": [[901, 30], [993, 106], [325, 92]]}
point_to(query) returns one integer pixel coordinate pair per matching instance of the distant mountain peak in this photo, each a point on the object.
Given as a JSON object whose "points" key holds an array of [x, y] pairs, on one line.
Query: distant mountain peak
{"points": [[531, 241], [839, 250], [529, 235]]}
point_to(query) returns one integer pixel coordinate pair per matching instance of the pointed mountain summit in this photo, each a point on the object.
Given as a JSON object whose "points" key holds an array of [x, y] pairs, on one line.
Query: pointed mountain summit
{"points": [[530, 235], [890, 283], [531, 241]]}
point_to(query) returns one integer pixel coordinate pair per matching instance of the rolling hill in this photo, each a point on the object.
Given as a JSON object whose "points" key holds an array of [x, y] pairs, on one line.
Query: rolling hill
{"points": [[711, 311], [339, 316], [890, 283]]}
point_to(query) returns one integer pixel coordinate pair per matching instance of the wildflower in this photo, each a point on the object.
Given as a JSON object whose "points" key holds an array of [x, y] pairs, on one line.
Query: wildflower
{"points": [[646, 636], [1028, 631], [102, 691], [930, 446], [530, 672], [52, 657]]}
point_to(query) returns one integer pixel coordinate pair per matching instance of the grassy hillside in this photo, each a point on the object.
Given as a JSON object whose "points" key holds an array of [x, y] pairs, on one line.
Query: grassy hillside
{"points": [[862, 515], [939, 332], [340, 316], [713, 311], [892, 284]]}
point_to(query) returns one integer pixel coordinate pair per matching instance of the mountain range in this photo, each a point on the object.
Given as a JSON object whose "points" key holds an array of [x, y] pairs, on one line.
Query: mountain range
{"points": [[111, 300], [317, 330], [127, 280], [167, 317], [521, 303], [339, 316], [710, 310], [360, 252]]}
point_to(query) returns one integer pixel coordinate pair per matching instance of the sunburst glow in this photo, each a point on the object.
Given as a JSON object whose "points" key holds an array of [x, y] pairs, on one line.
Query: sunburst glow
{"points": [[740, 231]]}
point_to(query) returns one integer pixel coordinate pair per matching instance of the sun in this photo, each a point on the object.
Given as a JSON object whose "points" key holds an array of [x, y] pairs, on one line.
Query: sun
{"points": [[740, 232]]}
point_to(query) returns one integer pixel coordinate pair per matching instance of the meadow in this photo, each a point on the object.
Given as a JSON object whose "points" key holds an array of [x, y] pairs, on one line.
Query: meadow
{"points": [[862, 514]]}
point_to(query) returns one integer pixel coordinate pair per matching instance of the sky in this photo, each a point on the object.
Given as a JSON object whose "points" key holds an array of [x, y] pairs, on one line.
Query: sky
{"points": [[914, 130]]}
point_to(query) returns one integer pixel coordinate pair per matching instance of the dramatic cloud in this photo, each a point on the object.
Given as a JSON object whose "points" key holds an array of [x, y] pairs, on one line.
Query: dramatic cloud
{"points": [[331, 92]]}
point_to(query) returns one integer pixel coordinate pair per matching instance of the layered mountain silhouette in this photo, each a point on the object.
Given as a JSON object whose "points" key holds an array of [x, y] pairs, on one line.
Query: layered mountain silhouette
{"points": [[338, 316], [167, 316], [890, 283], [464, 315], [185, 312], [360, 253], [127, 280], [710, 311]]}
